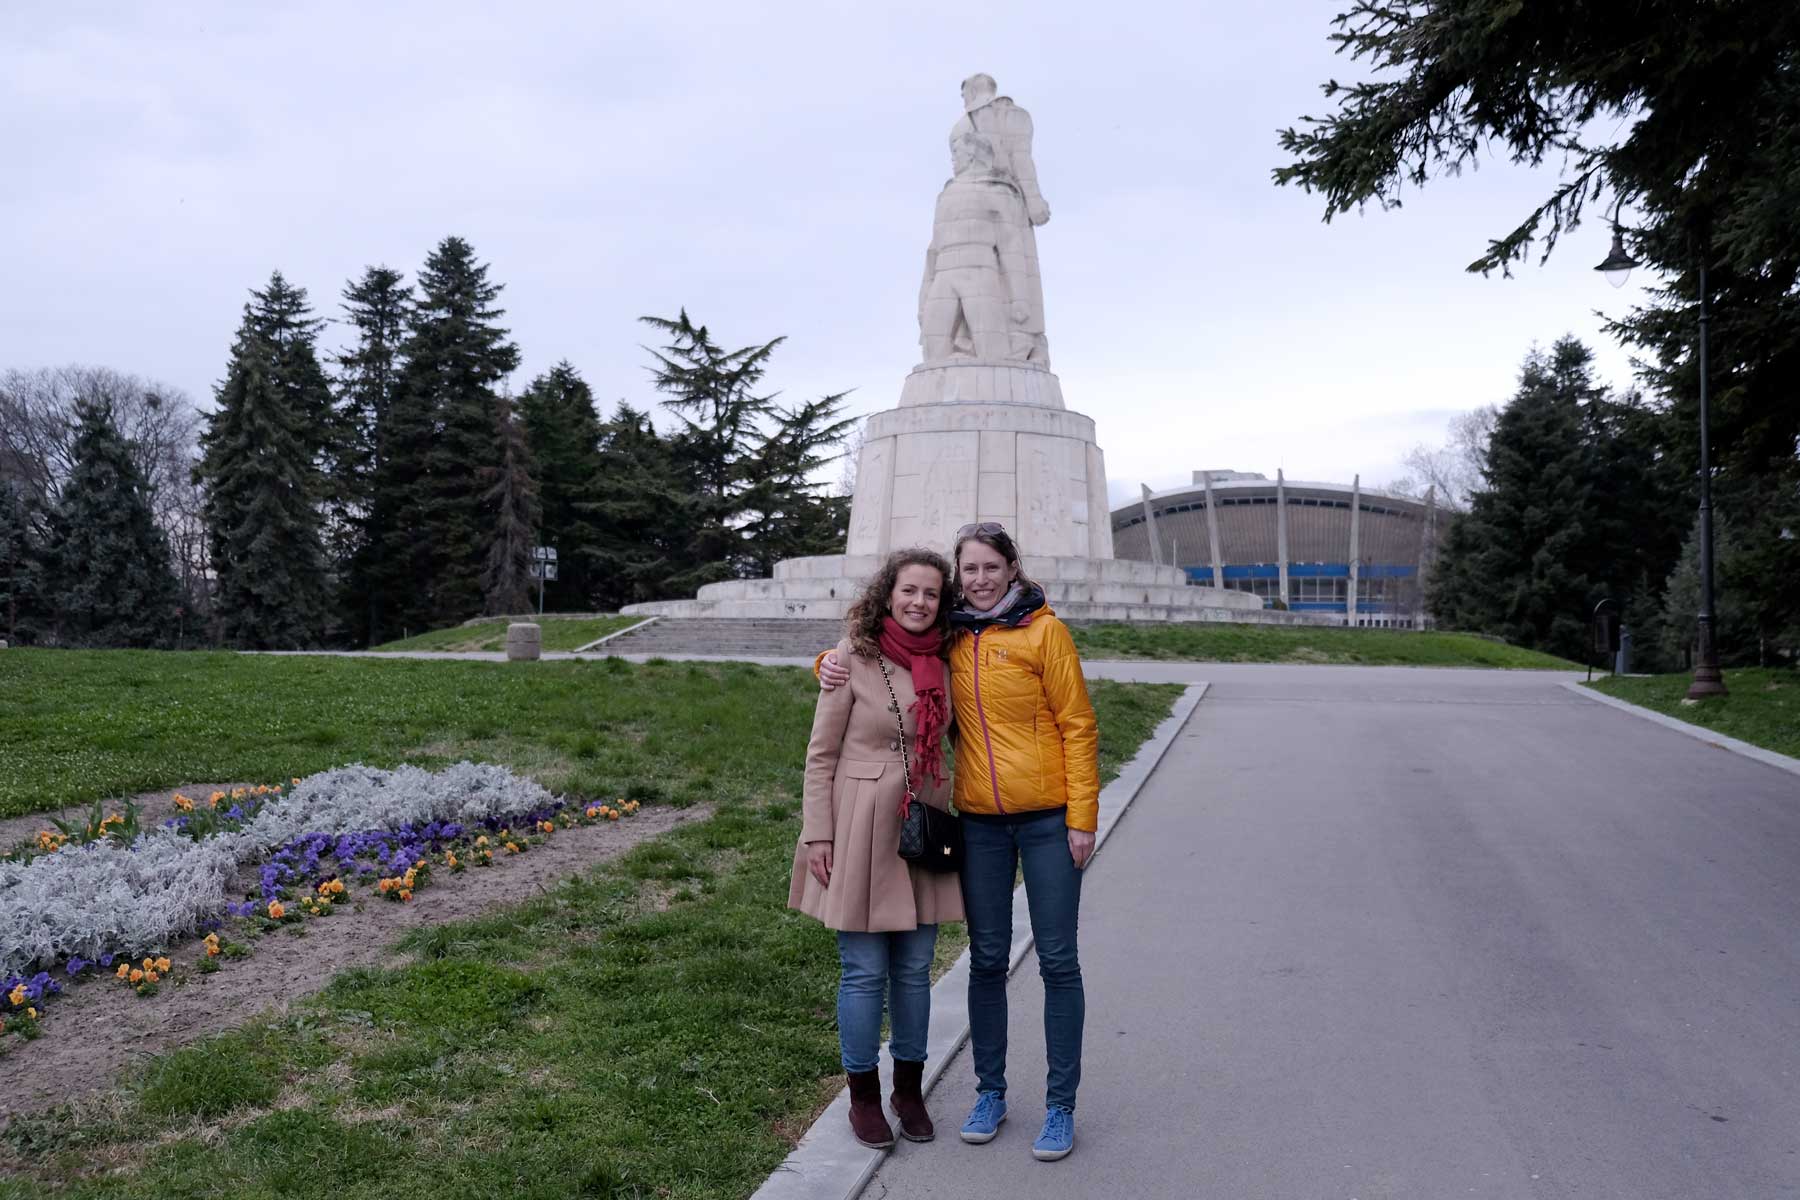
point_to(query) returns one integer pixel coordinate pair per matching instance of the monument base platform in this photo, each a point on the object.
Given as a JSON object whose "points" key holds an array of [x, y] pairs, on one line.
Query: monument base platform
{"points": [[1080, 589]]}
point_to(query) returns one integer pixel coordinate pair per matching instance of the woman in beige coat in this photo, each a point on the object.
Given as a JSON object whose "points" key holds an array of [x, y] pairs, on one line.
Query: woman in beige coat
{"points": [[848, 871]]}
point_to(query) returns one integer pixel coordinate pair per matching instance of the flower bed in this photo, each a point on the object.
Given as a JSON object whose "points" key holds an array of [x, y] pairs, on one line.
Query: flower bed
{"points": [[83, 902]]}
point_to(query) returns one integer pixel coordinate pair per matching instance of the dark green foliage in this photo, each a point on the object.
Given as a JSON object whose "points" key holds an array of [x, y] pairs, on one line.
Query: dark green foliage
{"points": [[748, 459], [789, 518], [511, 496], [712, 391], [369, 376], [1760, 567], [262, 461], [564, 434], [1687, 116], [1575, 507], [437, 519], [21, 563], [107, 564], [640, 508], [1688, 112], [1676, 626]]}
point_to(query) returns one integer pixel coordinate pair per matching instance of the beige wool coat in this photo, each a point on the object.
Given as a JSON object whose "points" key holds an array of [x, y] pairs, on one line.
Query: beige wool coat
{"points": [[854, 783]]}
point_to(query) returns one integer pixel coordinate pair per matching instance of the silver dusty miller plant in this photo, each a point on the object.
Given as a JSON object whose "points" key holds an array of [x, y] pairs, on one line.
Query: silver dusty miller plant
{"points": [[103, 896], [356, 797]]}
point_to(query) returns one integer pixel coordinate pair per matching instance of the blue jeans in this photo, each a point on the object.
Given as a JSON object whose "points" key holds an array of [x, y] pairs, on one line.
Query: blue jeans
{"points": [[878, 966], [992, 850]]}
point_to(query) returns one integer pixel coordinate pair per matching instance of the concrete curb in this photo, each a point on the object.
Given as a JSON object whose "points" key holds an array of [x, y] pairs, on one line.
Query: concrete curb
{"points": [[830, 1164], [1711, 737], [601, 641]]}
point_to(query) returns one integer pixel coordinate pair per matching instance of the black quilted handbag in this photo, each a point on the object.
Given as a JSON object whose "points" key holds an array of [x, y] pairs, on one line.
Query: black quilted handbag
{"points": [[929, 837]]}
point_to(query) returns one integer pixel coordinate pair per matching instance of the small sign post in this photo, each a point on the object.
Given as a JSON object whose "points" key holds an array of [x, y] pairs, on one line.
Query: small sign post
{"points": [[543, 568]]}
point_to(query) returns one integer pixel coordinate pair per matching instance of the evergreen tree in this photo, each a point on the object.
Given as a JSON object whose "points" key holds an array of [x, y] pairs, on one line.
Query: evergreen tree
{"points": [[642, 509], [1733, 624], [1757, 565], [1516, 564], [369, 376], [107, 569], [564, 433], [506, 580], [1641, 500], [712, 391], [262, 458], [437, 519], [789, 517], [21, 562]]}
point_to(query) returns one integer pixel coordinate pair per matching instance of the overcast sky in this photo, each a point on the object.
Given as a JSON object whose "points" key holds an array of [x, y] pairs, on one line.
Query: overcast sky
{"points": [[772, 168]]}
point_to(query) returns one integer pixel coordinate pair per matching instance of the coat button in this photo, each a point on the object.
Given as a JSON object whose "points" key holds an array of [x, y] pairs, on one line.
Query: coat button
{"points": [[894, 745]]}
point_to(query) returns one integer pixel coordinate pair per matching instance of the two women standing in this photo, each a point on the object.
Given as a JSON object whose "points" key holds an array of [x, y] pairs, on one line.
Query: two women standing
{"points": [[1027, 788]]}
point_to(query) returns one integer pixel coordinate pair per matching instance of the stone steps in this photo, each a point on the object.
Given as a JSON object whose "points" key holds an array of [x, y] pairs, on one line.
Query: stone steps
{"points": [[728, 637]]}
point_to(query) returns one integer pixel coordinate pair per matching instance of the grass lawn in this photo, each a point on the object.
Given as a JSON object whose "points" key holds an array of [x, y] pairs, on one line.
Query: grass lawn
{"points": [[1210, 642], [559, 633], [660, 1027], [80, 725], [1762, 709]]}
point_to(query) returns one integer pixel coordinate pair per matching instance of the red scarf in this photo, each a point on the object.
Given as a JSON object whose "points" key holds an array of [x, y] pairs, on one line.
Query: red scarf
{"points": [[920, 653]]}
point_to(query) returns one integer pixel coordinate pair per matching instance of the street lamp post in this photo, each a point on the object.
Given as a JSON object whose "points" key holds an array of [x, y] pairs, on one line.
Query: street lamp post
{"points": [[1708, 680]]}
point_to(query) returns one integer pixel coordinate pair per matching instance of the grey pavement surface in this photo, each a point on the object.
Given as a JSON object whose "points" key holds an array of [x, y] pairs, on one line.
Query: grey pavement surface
{"points": [[1389, 933]]}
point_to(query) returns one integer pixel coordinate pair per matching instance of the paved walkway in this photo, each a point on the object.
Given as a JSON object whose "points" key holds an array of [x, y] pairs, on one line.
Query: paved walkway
{"points": [[1390, 933]]}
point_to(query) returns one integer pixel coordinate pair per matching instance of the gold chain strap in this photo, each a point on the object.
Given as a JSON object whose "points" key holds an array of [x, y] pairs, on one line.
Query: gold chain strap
{"points": [[894, 706]]}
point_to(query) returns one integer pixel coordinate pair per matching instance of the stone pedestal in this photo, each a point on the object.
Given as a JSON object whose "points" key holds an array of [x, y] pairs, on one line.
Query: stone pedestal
{"points": [[1079, 589], [980, 441], [974, 441], [524, 642]]}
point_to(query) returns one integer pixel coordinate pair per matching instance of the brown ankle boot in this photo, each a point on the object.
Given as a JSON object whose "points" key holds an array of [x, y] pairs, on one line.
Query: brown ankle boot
{"points": [[866, 1120], [909, 1102]]}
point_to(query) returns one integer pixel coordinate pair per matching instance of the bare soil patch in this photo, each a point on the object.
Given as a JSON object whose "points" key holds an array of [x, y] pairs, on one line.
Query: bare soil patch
{"points": [[100, 1029]]}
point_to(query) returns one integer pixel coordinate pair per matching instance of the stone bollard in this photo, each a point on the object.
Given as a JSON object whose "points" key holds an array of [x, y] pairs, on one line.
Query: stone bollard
{"points": [[524, 642]]}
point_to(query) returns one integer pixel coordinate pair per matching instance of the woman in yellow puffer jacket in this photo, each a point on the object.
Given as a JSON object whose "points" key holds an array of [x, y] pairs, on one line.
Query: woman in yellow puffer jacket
{"points": [[1027, 787]]}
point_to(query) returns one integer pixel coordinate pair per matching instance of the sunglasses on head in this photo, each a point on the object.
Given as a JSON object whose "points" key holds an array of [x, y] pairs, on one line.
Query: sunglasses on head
{"points": [[980, 529]]}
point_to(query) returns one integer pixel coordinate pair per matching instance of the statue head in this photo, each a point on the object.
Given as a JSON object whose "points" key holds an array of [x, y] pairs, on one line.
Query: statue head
{"points": [[971, 153], [978, 90]]}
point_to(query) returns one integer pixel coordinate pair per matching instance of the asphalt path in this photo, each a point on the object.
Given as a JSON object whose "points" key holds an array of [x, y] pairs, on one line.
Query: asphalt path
{"points": [[1376, 933]]}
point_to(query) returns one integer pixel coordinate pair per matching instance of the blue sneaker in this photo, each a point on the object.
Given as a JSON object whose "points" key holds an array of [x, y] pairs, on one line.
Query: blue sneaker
{"points": [[1058, 1137], [984, 1119]]}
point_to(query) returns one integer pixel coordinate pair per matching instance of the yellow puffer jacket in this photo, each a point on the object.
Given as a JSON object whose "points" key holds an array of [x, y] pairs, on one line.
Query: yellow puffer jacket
{"points": [[1027, 739]]}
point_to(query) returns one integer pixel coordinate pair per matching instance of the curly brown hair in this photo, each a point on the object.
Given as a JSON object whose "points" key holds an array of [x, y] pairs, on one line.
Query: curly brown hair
{"points": [[863, 622]]}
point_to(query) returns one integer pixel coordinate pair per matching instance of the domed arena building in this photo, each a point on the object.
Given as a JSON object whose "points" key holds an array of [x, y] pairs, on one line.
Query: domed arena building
{"points": [[1326, 548]]}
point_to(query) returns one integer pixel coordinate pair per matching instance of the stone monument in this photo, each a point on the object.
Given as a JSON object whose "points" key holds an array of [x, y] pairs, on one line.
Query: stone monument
{"points": [[981, 432]]}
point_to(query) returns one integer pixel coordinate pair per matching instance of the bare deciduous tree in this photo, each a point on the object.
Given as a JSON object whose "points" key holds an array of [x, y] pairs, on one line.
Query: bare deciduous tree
{"points": [[161, 426], [852, 451], [37, 426], [1455, 468]]}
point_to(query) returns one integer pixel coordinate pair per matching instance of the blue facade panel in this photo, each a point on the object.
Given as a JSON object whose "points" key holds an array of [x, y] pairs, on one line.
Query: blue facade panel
{"points": [[1309, 571]]}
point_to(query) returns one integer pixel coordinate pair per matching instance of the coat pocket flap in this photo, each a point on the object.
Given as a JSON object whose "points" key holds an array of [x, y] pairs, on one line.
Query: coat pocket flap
{"points": [[863, 770]]}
